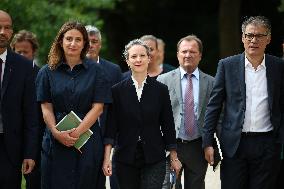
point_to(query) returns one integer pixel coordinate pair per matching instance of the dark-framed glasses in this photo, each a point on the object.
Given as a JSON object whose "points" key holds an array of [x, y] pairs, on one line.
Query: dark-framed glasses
{"points": [[258, 37]]}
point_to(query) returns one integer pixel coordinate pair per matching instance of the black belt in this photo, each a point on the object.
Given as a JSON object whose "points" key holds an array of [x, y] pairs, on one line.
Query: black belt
{"points": [[256, 134], [179, 140]]}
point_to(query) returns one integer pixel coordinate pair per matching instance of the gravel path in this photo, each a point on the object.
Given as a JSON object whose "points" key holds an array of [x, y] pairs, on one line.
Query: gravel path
{"points": [[212, 179]]}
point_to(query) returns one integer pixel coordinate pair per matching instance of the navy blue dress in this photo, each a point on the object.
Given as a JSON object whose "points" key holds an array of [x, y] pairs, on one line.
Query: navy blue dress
{"points": [[64, 167]]}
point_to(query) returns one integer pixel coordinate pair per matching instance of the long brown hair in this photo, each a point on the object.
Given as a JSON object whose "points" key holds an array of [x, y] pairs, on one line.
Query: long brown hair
{"points": [[56, 53]]}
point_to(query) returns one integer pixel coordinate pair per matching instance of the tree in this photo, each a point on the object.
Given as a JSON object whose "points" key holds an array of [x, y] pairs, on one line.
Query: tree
{"points": [[45, 17]]}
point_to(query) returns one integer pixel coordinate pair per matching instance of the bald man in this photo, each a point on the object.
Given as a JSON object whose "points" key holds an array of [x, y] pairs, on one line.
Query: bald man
{"points": [[18, 111]]}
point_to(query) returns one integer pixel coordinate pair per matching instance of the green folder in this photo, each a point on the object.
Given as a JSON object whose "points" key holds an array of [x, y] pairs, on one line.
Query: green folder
{"points": [[71, 121]]}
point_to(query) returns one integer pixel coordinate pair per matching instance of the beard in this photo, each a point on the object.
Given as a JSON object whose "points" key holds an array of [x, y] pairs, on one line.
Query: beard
{"points": [[4, 41]]}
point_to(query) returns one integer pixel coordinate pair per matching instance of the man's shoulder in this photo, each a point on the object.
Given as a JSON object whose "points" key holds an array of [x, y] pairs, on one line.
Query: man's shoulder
{"points": [[206, 76], [18, 60], [272, 58], [236, 57], [109, 64], [168, 75], [126, 75]]}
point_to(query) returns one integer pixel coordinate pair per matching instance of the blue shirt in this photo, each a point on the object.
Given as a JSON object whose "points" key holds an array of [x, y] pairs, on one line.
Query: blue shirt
{"points": [[75, 89], [195, 85]]}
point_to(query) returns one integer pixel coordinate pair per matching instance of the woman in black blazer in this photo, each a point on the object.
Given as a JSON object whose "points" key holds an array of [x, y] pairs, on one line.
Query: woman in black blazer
{"points": [[141, 121]]}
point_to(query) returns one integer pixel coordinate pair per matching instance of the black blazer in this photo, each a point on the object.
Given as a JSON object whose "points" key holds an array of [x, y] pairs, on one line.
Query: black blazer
{"points": [[19, 109], [230, 90], [151, 118]]}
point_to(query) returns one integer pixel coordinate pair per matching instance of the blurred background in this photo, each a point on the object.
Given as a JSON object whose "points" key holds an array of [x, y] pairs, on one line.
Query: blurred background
{"points": [[216, 22]]}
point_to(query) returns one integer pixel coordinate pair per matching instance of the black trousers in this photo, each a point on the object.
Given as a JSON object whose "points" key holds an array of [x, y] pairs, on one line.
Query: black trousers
{"points": [[280, 181], [141, 175], [255, 164], [10, 175]]}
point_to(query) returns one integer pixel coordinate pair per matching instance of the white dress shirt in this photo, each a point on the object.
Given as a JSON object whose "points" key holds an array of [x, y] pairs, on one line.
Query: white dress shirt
{"points": [[257, 115], [3, 57], [138, 90]]}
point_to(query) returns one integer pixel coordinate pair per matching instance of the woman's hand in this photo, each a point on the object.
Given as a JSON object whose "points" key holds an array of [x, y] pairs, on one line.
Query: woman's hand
{"points": [[75, 133], [107, 167], [176, 165], [64, 137]]}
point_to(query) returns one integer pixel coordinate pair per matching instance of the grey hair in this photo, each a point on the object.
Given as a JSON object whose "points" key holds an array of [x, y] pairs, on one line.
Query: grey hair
{"points": [[160, 41], [150, 37], [131, 44], [257, 21], [93, 30], [191, 38]]}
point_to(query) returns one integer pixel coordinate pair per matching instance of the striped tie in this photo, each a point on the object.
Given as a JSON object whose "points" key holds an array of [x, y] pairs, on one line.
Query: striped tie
{"points": [[189, 121]]}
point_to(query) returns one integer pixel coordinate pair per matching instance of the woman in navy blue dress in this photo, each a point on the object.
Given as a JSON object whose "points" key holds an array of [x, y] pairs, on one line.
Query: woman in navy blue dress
{"points": [[71, 82]]}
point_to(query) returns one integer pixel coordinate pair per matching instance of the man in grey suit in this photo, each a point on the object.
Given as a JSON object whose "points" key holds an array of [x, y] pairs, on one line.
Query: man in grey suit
{"points": [[190, 152], [250, 89]]}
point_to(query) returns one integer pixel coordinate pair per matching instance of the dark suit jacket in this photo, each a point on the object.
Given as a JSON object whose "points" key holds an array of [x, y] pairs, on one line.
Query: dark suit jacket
{"points": [[126, 75], [112, 71], [128, 118], [19, 109], [114, 74], [229, 88]]}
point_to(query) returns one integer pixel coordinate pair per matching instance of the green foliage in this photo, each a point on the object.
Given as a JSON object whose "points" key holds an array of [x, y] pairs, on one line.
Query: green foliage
{"points": [[281, 7], [45, 17]]}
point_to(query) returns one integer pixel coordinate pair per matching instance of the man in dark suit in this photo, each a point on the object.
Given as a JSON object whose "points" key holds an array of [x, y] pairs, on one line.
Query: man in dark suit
{"points": [[189, 149], [249, 87], [112, 70], [113, 73], [18, 112], [25, 43]]}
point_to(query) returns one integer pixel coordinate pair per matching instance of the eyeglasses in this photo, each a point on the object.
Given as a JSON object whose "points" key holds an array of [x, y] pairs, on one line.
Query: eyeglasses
{"points": [[258, 37]]}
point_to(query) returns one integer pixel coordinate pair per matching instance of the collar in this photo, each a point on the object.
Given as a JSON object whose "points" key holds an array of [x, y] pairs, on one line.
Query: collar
{"points": [[85, 63], [136, 83], [3, 56], [183, 73], [247, 62]]}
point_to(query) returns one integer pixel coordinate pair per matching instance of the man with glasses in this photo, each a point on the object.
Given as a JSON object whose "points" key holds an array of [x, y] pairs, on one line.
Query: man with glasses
{"points": [[249, 87]]}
